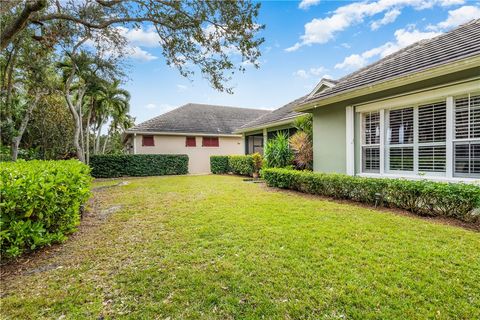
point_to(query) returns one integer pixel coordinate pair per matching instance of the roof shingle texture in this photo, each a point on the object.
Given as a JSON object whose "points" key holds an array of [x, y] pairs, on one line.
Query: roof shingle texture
{"points": [[281, 114], [457, 44], [200, 118]]}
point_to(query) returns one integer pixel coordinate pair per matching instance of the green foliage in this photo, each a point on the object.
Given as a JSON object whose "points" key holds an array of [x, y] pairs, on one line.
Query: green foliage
{"points": [[257, 161], [242, 165], [41, 202], [219, 164], [110, 166], [277, 152], [305, 124], [420, 196]]}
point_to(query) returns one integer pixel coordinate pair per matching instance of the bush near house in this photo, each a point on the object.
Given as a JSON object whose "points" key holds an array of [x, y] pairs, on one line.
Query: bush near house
{"points": [[242, 165], [40, 202], [422, 197], [111, 166], [219, 164]]}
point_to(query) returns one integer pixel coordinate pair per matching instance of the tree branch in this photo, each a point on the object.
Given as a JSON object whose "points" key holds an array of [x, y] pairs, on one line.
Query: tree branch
{"points": [[20, 22]]}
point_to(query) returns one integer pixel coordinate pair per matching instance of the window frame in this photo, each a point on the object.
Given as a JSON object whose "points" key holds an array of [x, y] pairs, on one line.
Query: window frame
{"points": [[148, 145], [459, 141], [210, 145], [187, 138]]}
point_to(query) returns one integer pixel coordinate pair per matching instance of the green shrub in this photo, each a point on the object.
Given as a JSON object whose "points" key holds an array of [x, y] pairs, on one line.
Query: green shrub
{"points": [[40, 202], [422, 197], [118, 165], [242, 165], [278, 153], [219, 164]]}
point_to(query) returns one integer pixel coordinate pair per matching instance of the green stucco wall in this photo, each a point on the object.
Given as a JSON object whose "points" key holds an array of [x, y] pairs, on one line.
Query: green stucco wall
{"points": [[329, 151]]}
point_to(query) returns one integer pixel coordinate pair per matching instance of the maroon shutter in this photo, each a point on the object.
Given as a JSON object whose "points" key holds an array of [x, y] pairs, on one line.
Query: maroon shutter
{"points": [[148, 141], [190, 142], [210, 142]]}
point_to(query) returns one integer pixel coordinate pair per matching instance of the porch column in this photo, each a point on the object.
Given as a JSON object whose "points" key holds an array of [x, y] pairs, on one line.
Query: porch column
{"points": [[134, 143], [265, 137], [350, 141]]}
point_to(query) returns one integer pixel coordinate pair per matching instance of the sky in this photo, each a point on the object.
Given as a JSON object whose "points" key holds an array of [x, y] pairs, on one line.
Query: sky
{"points": [[304, 42]]}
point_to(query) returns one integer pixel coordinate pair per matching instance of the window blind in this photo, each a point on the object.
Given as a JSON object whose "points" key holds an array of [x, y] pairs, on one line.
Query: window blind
{"points": [[432, 158], [371, 141], [401, 126], [432, 123], [467, 117], [401, 158]]}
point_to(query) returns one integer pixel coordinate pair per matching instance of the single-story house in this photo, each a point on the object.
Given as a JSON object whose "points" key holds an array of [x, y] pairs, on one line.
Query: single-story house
{"points": [[197, 130], [414, 113], [257, 132]]}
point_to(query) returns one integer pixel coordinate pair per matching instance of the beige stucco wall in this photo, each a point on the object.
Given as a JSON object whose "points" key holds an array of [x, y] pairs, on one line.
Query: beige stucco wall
{"points": [[199, 157]]}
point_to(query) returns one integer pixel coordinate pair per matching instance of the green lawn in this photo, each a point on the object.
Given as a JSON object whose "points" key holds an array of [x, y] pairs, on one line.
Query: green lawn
{"points": [[215, 247]]}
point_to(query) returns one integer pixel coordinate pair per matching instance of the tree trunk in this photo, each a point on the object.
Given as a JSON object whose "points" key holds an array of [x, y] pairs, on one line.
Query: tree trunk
{"points": [[16, 140], [97, 139], [105, 144], [87, 142]]}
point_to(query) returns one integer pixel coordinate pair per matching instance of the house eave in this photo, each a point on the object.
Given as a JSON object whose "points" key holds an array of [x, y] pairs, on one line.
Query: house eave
{"points": [[268, 125], [167, 133], [470, 62]]}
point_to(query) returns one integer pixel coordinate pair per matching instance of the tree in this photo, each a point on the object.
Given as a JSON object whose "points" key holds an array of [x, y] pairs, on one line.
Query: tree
{"points": [[302, 142], [200, 32]]}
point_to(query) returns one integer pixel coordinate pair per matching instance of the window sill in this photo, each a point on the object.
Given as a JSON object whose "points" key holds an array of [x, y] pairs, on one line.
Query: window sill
{"points": [[424, 177]]}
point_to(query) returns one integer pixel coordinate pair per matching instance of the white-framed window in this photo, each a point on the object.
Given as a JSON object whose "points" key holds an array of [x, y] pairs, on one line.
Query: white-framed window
{"points": [[418, 142], [466, 139], [371, 142]]}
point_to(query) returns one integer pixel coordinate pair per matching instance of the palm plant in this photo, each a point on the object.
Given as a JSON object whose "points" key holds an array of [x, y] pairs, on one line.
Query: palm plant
{"points": [[277, 151]]}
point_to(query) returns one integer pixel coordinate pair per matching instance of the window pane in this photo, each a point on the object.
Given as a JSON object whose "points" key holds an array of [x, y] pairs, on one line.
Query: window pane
{"points": [[371, 128], [467, 159], [432, 123], [467, 117], [370, 159], [432, 158], [401, 158], [400, 129]]}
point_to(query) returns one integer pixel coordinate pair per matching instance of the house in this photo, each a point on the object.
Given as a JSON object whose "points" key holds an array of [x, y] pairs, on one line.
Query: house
{"points": [[257, 132], [414, 113], [197, 130]]}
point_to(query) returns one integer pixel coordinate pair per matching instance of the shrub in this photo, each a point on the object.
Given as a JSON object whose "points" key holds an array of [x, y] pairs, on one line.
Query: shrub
{"points": [[242, 165], [219, 164], [111, 166], [257, 162], [420, 196], [302, 145], [40, 202], [277, 152]]}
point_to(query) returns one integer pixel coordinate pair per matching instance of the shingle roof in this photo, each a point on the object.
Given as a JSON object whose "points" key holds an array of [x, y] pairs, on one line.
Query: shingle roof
{"points": [[281, 114], [456, 44], [200, 118]]}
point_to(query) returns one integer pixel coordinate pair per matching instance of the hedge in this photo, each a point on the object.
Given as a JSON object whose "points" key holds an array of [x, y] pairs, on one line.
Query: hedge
{"points": [[111, 166], [40, 202], [422, 197], [242, 165], [219, 164]]}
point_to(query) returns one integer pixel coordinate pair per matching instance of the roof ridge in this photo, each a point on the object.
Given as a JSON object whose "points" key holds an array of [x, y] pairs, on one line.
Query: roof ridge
{"points": [[219, 106]]}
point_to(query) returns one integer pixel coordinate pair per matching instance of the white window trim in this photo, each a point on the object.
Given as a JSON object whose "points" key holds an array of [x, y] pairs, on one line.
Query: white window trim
{"points": [[350, 140], [448, 175]]}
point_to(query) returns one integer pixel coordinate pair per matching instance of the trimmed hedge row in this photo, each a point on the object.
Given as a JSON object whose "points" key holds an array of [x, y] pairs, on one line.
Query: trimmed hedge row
{"points": [[242, 165], [422, 197], [219, 164], [40, 202], [112, 166]]}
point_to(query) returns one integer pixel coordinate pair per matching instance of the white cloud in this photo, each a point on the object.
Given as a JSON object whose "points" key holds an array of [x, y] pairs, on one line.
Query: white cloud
{"points": [[305, 74], [389, 17], [305, 4], [151, 106], [140, 54], [346, 45], [403, 38], [457, 17], [141, 37], [322, 30], [181, 87]]}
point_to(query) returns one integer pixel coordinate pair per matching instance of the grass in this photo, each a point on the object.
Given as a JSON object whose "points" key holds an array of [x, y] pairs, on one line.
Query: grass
{"points": [[214, 247]]}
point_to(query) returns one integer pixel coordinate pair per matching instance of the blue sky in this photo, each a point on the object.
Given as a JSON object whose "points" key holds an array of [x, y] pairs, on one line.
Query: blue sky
{"points": [[304, 41]]}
